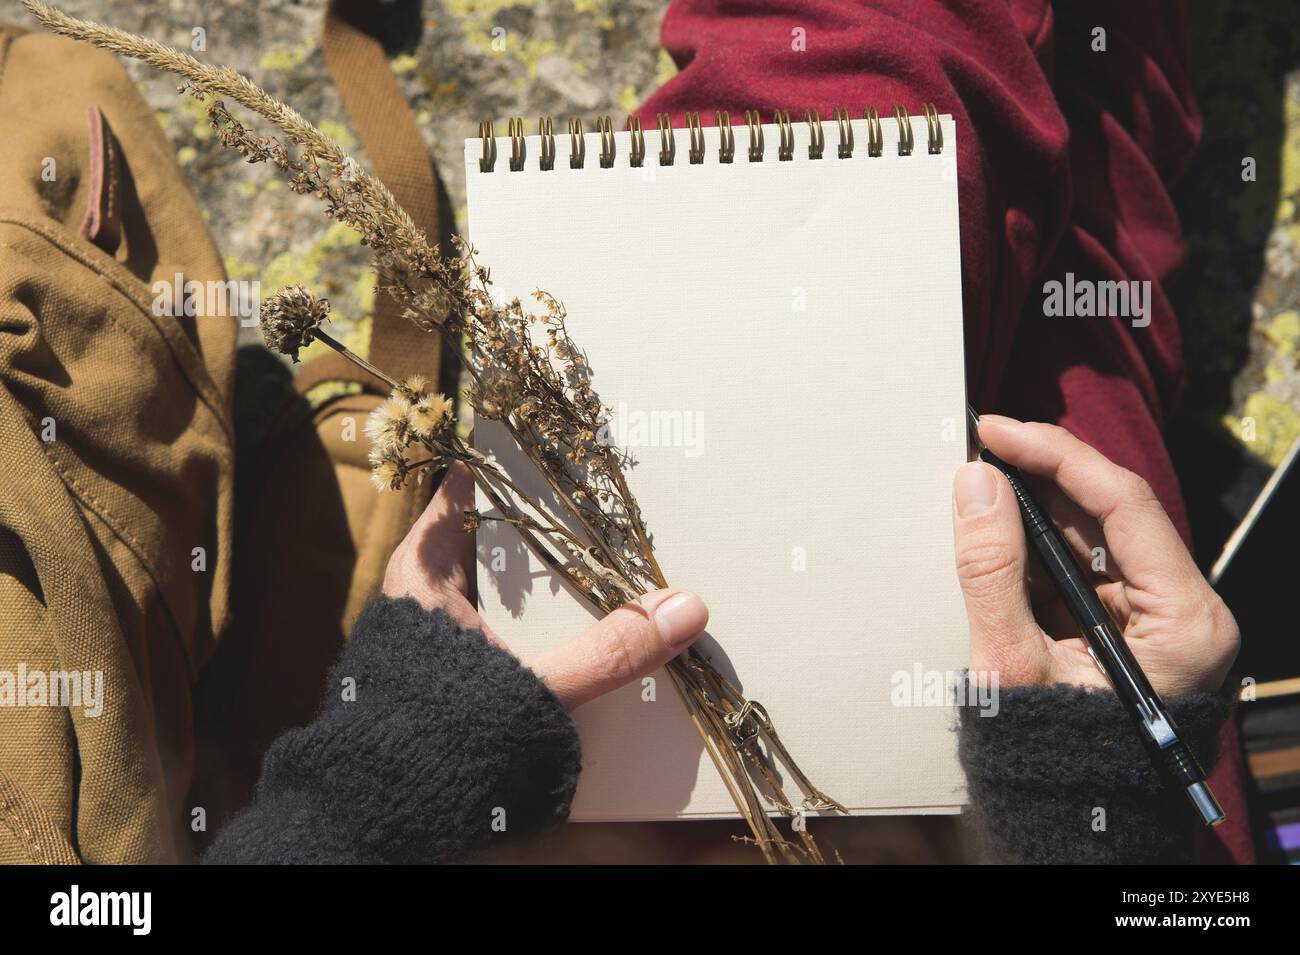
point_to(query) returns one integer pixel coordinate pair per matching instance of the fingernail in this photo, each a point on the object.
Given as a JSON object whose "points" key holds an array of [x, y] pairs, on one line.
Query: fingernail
{"points": [[680, 618], [974, 489], [989, 423]]}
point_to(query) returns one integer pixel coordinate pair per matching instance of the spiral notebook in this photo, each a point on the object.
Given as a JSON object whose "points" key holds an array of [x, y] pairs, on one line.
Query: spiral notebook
{"points": [[772, 313]]}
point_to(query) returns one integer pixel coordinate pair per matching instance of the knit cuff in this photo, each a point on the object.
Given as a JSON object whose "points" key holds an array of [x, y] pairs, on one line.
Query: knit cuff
{"points": [[1059, 775], [431, 742]]}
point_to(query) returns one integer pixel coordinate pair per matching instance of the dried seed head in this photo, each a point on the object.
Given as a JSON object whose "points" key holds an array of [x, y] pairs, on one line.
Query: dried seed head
{"points": [[388, 475], [435, 302], [413, 387], [494, 396], [290, 318], [472, 521], [488, 408], [388, 466], [387, 424], [429, 416]]}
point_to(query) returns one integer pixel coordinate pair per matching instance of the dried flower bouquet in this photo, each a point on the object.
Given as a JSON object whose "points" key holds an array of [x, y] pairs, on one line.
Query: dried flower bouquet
{"points": [[528, 375]]}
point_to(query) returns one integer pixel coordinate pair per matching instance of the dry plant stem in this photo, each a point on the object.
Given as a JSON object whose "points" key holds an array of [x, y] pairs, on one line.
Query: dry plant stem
{"points": [[606, 564], [529, 449], [327, 339]]}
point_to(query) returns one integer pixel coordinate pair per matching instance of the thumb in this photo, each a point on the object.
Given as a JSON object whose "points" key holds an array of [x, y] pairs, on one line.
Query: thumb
{"points": [[991, 555], [636, 639]]}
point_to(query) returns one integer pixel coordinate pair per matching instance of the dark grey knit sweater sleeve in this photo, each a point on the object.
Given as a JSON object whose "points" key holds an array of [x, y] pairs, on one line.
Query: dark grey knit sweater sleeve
{"points": [[447, 739], [1059, 775]]}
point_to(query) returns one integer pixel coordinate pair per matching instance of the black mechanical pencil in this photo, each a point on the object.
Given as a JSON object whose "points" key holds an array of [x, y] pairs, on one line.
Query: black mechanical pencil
{"points": [[1106, 643]]}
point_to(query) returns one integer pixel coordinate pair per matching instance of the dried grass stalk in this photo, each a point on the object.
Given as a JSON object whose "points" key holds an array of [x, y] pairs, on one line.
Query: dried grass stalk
{"points": [[527, 374]]}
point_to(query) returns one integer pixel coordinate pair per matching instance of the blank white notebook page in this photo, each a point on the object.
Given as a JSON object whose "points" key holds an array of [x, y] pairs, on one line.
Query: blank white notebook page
{"points": [[780, 345]]}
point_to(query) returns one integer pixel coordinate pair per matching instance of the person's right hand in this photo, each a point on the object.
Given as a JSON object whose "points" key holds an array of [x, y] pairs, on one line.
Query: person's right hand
{"points": [[1178, 628]]}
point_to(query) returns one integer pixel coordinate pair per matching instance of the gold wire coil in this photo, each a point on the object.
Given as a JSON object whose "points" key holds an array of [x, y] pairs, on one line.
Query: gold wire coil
{"points": [[875, 136], [696, 152], [636, 155], [846, 134], [577, 144], [904, 131], [667, 145], [698, 142], [606, 127], [726, 136], [546, 131], [817, 138], [755, 124], [785, 129], [489, 146], [516, 129], [934, 132]]}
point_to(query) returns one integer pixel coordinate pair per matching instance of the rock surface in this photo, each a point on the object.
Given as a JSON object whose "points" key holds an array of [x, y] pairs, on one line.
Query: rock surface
{"points": [[470, 59]]}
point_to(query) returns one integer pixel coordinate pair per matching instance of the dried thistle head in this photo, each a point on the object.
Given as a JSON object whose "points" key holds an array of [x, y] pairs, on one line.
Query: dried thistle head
{"points": [[429, 417], [290, 317], [472, 521], [409, 417], [387, 424], [413, 387], [389, 473]]}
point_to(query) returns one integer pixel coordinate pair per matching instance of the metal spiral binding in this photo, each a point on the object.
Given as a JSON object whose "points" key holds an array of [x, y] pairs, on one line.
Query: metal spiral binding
{"points": [[904, 131], [726, 138], [755, 124], [875, 138], [785, 147], [696, 153], [934, 131], [516, 143], [638, 140], [606, 128], [667, 145], [846, 134], [489, 146], [547, 134], [817, 142], [697, 149], [577, 144]]}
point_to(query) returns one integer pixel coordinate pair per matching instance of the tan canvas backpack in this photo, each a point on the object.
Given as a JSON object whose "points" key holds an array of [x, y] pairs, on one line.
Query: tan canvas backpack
{"points": [[120, 561], [117, 444]]}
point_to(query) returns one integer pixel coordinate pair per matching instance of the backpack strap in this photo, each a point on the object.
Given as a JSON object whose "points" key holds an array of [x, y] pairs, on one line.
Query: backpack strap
{"points": [[397, 153]]}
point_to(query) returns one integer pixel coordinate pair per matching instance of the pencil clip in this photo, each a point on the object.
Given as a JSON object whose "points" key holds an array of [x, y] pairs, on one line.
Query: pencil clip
{"points": [[973, 443]]}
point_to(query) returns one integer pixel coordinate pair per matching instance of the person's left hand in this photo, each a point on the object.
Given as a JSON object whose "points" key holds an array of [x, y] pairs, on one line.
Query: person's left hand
{"points": [[434, 564]]}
